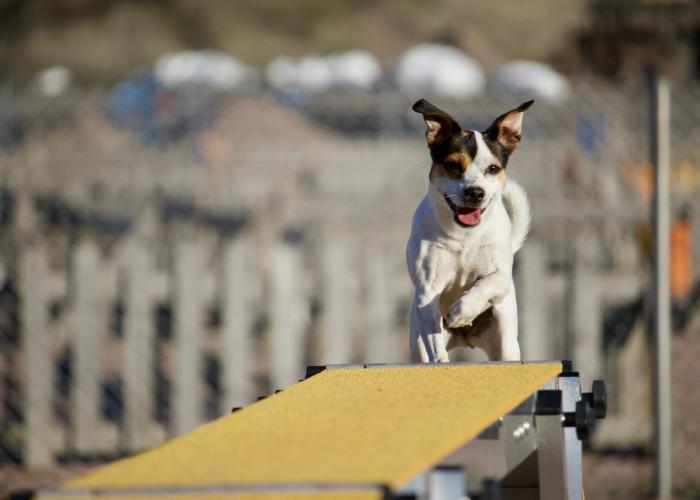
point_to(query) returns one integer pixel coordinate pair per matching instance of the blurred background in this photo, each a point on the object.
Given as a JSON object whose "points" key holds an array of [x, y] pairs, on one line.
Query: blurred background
{"points": [[199, 198]]}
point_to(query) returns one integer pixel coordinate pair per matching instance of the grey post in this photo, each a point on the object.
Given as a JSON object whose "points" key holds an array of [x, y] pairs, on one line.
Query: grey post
{"points": [[288, 315], [587, 309], [382, 343], [90, 432], [570, 387], [660, 153], [337, 301], [550, 451], [531, 281], [188, 383], [446, 483], [38, 363], [237, 321], [140, 428]]}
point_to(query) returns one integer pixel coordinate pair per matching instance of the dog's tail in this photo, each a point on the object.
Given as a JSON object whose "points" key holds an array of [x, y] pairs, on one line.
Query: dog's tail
{"points": [[519, 210]]}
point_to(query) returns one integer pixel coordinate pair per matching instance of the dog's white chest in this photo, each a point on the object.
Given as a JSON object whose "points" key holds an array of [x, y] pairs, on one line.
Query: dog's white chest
{"points": [[465, 268], [476, 259], [472, 262]]}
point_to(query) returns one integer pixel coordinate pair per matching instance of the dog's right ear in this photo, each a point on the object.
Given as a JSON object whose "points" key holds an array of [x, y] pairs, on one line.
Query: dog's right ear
{"points": [[439, 123]]}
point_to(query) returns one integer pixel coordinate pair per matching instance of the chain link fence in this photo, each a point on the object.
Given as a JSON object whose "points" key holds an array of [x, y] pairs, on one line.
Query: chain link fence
{"points": [[166, 256]]}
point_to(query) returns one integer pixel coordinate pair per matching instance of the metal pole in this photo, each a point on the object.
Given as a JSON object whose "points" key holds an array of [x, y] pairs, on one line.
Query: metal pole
{"points": [[660, 154]]}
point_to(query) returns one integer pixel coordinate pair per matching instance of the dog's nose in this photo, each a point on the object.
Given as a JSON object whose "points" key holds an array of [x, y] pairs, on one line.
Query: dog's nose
{"points": [[474, 194]]}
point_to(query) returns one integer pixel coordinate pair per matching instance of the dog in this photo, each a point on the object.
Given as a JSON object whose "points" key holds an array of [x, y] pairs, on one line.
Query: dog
{"points": [[463, 239]]}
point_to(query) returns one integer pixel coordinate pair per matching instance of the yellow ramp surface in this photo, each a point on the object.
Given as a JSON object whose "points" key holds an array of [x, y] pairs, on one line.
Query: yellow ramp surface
{"points": [[376, 494], [373, 426]]}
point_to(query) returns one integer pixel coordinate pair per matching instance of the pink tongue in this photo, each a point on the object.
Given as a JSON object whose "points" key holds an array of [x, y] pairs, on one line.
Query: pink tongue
{"points": [[470, 218]]}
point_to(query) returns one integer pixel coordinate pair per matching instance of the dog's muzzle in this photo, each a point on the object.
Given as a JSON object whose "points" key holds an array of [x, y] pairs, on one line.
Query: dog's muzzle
{"points": [[465, 216]]}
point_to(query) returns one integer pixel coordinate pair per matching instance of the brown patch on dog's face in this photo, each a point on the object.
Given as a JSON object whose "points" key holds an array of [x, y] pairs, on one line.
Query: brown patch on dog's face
{"points": [[453, 156], [497, 169], [452, 166], [503, 176]]}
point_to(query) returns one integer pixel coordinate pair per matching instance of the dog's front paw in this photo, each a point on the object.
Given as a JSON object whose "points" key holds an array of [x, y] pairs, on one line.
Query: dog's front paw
{"points": [[440, 358], [459, 316]]}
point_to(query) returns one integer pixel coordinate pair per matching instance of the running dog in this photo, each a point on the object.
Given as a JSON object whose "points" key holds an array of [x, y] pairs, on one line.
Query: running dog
{"points": [[464, 235]]}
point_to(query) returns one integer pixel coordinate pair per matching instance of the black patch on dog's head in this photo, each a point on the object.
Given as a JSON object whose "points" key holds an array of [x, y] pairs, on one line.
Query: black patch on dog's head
{"points": [[497, 149], [462, 142], [444, 134]]}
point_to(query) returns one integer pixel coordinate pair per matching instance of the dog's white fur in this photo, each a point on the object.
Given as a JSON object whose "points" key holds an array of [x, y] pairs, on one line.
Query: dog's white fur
{"points": [[459, 273]]}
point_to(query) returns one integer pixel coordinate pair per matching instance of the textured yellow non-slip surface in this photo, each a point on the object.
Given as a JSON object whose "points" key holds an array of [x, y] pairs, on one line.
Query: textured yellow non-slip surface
{"points": [[342, 426], [316, 495]]}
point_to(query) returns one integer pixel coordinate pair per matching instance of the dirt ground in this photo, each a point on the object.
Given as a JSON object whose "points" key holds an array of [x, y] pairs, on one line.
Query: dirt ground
{"points": [[14, 479]]}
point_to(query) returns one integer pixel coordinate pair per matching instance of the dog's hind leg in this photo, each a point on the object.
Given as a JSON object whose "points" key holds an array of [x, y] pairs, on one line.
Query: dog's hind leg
{"points": [[506, 314]]}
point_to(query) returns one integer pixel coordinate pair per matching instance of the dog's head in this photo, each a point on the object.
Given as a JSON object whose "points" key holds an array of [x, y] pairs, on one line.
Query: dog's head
{"points": [[469, 167]]}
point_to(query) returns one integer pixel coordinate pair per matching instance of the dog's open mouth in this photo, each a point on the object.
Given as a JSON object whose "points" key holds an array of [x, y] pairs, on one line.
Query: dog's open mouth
{"points": [[466, 216]]}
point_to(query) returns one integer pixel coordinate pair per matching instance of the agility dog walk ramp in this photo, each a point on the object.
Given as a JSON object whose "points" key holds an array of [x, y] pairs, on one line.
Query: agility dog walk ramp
{"points": [[490, 430]]}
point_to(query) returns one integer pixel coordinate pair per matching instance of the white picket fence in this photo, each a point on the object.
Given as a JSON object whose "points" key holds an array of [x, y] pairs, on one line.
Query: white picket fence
{"points": [[360, 291], [239, 279]]}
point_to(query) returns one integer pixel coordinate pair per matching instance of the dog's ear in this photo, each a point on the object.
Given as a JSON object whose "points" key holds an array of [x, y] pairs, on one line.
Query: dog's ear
{"points": [[506, 129], [439, 123]]}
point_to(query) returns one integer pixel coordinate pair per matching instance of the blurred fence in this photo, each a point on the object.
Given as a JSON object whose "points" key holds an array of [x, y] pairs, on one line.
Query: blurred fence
{"points": [[169, 256]]}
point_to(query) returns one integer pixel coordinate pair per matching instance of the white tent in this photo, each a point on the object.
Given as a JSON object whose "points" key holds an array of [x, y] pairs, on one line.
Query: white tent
{"points": [[53, 81], [432, 69], [205, 67], [356, 69], [531, 78]]}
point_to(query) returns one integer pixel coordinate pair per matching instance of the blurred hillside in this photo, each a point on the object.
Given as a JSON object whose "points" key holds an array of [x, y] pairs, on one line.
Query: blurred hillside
{"points": [[102, 40]]}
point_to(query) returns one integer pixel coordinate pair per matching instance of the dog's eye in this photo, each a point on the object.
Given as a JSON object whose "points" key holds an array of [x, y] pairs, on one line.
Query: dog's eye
{"points": [[453, 166], [493, 169]]}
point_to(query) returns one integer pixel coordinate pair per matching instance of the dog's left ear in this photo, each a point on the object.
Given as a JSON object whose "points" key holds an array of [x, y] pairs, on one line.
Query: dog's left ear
{"points": [[506, 129]]}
